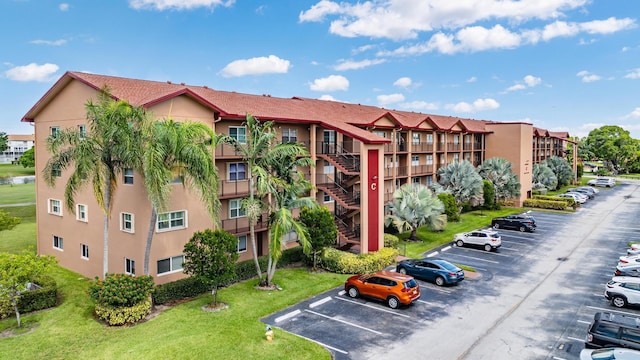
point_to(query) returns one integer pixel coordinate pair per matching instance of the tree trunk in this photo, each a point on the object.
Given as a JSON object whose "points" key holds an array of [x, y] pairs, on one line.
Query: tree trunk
{"points": [[150, 232], [271, 270], [14, 302], [105, 254], [252, 228], [214, 292]]}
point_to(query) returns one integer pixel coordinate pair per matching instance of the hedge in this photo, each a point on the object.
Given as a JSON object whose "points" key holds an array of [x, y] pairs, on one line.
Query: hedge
{"points": [[33, 300], [569, 201], [546, 204], [120, 315], [342, 262]]}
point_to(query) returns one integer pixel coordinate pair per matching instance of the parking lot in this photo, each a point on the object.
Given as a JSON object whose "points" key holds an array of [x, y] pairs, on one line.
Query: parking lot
{"points": [[535, 296]]}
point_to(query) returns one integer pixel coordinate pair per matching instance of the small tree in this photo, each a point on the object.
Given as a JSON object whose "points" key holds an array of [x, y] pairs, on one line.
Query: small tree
{"points": [[211, 256], [413, 207], [4, 141], [489, 194], [450, 206], [16, 271], [28, 158], [8, 222], [322, 230]]}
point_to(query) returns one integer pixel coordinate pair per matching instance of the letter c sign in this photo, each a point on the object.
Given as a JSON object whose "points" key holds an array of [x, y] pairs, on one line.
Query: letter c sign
{"points": [[373, 186]]}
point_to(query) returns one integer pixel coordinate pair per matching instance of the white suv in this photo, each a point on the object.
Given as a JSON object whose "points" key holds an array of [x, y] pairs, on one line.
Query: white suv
{"points": [[623, 290], [604, 182], [487, 239]]}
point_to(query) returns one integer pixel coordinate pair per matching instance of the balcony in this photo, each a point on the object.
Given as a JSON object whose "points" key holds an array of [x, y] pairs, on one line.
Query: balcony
{"points": [[422, 147], [229, 189], [240, 225], [421, 169]]}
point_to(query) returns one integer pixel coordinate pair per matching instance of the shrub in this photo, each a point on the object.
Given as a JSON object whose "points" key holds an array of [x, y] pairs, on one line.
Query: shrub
{"points": [[33, 300], [120, 315], [342, 262], [178, 290], [569, 201], [391, 241], [545, 204], [542, 191], [121, 290]]}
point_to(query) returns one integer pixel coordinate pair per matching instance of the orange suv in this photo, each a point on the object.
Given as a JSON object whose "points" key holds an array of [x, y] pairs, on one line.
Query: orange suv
{"points": [[393, 288]]}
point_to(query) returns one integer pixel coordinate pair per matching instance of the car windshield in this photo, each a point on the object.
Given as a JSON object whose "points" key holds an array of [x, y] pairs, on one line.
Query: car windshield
{"points": [[409, 284], [448, 266], [495, 235], [603, 354]]}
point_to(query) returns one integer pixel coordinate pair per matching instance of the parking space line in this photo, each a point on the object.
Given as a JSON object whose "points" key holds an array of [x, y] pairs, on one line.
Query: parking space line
{"points": [[434, 288], [518, 236], [323, 344], [320, 302], [612, 310], [345, 322], [584, 322], [558, 358], [482, 251], [475, 258], [375, 308], [287, 315], [428, 303], [575, 339]]}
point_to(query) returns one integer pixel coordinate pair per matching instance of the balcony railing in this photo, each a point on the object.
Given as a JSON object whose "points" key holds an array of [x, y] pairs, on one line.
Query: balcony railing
{"points": [[421, 169], [422, 147], [467, 146], [241, 225], [453, 147], [228, 188], [440, 147]]}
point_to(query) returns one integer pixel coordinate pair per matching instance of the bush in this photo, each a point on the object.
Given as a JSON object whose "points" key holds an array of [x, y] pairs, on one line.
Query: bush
{"points": [[545, 204], [121, 290], [569, 201], [539, 191], [33, 300], [120, 315], [178, 290], [391, 241], [342, 262], [450, 207]]}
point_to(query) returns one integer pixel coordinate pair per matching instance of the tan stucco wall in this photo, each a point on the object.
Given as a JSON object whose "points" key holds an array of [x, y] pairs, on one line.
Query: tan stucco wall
{"points": [[512, 141]]}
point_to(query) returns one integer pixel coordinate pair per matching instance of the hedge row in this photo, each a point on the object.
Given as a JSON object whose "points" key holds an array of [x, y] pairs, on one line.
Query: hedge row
{"points": [[120, 315], [33, 300], [569, 201], [545, 204], [342, 262]]}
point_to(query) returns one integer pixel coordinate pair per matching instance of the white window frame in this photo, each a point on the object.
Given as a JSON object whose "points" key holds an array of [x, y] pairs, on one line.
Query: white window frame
{"points": [[415, 139], [429, 138], [229, 172], [124, 221], [84, 251], [58, 242], [240, 249], [81, 213], [170, 221], [129, 266], [429, 180], [171, 266], [242, 138], [54, 130], [380, 133], [456, 157], [56, 171], [291, 135], [290, 237], [51, 207], [127, 174], [429, 159], [236, 205], [82, 131], [415, 160], [327, 198], [456, 139]]}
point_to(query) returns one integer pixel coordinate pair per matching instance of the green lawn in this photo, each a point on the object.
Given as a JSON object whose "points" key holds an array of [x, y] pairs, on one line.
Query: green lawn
{"points": [[15, 170], [17, 194]]}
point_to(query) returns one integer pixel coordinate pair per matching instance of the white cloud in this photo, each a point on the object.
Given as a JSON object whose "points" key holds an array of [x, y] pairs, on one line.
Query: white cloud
{"points": [[354, 65], [472, 79], [419, 105], [330, 83], [588, 77], [256, 66], [532, 81], [607, 26], [635, 114], [63, 7], [389, 99], [161, 5], [516, 87], [49, 42], [477, 105], [635, 74], [625, 48], [32, 72], [403, 82], [327, 98], [362, 49]]}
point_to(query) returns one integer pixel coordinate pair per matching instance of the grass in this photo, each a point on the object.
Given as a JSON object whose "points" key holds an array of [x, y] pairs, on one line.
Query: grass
{"points": [[17, 194], [15, 170]]}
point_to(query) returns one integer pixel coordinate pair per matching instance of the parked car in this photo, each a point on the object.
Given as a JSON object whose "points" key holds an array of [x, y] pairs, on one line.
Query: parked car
{"points": [[487, 239], [579, 194], [628, 270], [602, 182], [613, 330], [584, 191], [578, 198], [391, 287], [614, 353], [523, 222], [623, 291], [435, 270], [634, 249], [629, 259], [593, 190]]}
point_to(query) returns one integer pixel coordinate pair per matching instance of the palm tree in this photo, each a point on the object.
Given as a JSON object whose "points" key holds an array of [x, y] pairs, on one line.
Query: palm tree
{"points": [[562, 170], [462, 181], [413, 207], [543, 177], [111, 144], [498, 172], [180, 150], [256, 151]]}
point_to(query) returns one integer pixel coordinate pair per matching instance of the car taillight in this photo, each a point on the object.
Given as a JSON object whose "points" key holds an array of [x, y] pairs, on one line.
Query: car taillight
{"points": [[452, 274], [406, 289], [589, 337], [624, 261], [610, 286], [618, 272]]}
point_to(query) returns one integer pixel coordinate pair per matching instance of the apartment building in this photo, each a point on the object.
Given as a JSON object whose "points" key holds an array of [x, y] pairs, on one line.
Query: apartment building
{"points": [[361, 154], [17, 145]]}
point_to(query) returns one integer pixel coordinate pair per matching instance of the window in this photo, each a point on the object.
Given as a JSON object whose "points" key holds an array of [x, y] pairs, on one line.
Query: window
{"points": [[56, 171], [173, 220], [130, 266], [327, 198], [128, 176], [82, 131], [55, 207], [237, 171], [171, 264], [456, 139], [81, 212], [239, 133], [456, 157], [289, 135], [58, 243], [242, 243], [416, 138], [415, 181], [429, 159], [84, 251], [235, 210], [380, 133], [126, 222], [429, 180], [429, 138], [415, 160], [55, 130], [290, 237]]}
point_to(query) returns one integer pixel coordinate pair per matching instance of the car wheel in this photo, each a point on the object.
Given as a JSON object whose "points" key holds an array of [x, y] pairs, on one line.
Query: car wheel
{"points": [[393, 302], [523, 229], [487, 247], [353, 292], [459, 243], [402, 271], [618, 301], [439, 281], [496, 226]]}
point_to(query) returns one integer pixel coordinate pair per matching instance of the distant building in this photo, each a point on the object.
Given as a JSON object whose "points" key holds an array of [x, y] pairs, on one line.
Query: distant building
{"points": [[18, 144]]}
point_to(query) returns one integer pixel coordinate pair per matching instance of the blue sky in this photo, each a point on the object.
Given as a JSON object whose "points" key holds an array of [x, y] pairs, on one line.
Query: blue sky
{"points": [[563, 65]]}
